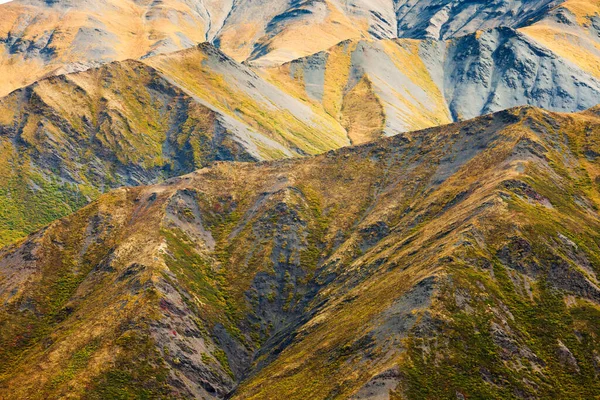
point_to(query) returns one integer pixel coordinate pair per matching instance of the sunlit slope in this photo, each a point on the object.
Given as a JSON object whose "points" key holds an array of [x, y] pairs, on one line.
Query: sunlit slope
{"points": [[41, 37], [571, 31], [279, 31], [466, 255], [232, 88], [403, 95], [384, 87]]}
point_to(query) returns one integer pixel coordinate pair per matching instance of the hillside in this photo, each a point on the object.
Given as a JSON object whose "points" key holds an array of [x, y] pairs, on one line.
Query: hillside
{"points": [[455, 262], [66, 139]]}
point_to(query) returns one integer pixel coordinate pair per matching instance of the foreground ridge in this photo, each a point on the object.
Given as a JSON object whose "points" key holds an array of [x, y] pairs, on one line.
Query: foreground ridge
{"points": [[455, 261]]}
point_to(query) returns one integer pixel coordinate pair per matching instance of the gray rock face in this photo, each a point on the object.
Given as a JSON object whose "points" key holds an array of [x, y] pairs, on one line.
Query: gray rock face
{"points": [[502, 68], [443, 19], [458, 79]]}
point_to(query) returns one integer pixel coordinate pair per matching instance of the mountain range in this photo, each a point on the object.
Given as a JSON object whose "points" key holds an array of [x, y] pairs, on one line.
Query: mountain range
{"points": [[42, 37], [355, 91], [303, 199]]}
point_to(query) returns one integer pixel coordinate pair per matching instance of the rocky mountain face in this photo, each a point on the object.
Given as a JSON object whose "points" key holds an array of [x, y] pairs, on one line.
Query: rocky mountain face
{"points": [[415, 84], [455, 262], [66, 139], [39, 37], [446, 19]]}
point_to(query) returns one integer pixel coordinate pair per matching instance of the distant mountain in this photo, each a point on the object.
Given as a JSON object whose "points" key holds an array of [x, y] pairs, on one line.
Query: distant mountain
{"points": [[40, 37], [456, 262], [415, 84]]}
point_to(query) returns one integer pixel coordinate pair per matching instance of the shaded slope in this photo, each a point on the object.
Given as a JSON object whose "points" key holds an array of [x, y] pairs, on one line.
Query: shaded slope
{"points": [[454, 18], [66, 139], [465, 254]]}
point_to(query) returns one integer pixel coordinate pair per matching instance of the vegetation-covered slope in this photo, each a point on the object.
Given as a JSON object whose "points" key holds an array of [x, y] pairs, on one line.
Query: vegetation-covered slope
{"points": [[459, 261], [65, 139]]}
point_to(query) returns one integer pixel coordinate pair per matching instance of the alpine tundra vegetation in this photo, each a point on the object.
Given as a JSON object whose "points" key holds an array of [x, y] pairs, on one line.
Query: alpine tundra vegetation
{"points": [[300, 199]]}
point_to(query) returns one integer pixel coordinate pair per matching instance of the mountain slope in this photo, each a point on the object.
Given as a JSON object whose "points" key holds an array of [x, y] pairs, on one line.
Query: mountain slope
{"points": [[51, 37], [66, 139], [455, 261], [415, 84]]}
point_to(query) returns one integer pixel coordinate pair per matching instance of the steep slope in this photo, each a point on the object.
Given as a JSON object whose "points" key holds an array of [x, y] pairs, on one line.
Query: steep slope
{"points": [[501, 68], [573, 32], [416, 84], [459, 261], [50, 37], [65, 139], [394, 73], [234, 89], [447, 19]]}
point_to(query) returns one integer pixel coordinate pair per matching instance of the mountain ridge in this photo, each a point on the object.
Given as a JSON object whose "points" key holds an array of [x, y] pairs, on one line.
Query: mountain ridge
{"points": [[66, 139], [430, 255]]}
